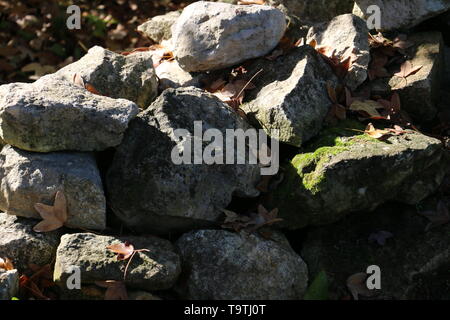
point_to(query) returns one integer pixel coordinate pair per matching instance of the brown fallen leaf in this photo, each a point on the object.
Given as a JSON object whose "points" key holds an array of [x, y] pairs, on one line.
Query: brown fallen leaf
{"points": [[407, 69], [357, 286], [437, 218], [91, 89], [123, 250], [6, 264], [54, 217], [368, 107], [376, 133], [115, 290]]}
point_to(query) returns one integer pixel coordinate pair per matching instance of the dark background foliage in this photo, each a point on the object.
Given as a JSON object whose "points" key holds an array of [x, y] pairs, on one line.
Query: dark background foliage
{"points": [[34, 39]]}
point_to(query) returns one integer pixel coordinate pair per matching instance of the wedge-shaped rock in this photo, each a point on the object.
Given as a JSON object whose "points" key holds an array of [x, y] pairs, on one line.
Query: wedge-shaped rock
{"points": [[291, 95], [419, 92], [114, 75], [414, 264], [221, 265], [313, 11], [347, 34], [159, 28], [403, 14], [171, 75], [9, 284], [149, 192], [22, 245], [156, 269], [28, 178], [353, 173], [213, 35], [52, 114]]}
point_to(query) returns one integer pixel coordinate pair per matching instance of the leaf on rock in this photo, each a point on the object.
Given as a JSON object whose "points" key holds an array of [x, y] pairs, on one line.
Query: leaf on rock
{"points": [[6, 264], [407, 69], [368, 107], [115, 290], [123, 250], [357, 286], [437, 218], [376, 133], [54, 217]]}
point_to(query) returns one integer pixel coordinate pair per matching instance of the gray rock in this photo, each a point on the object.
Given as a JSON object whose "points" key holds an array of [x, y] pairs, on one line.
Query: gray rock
{"points": [[52, 114], [414, 264], [159, 28], [291, 95], [213, 35], [341, 173], [171, 75], [9, 284], [221, 265], [28, 178], [157, 269], [116, 76], [314, 11], [347, 34], [148, 192], [22, 245], [403, 14]]}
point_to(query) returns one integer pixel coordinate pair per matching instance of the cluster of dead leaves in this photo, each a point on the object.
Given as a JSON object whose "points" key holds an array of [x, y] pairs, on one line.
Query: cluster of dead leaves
{"points": [[388, 56], [250, 223], [232, 90], [38, 284]]}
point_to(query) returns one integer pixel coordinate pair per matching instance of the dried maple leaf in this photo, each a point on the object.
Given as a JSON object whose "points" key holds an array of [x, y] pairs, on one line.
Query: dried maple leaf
{"points": [[235, 221], [438, 217], [407, 69], [123, 250], [54, 217], [368, 107], [115, 290], [376, 133], [29, 285], [6, 264], [357, 285]]}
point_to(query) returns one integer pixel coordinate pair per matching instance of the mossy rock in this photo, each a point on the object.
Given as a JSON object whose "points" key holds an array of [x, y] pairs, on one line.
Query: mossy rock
{"points": [[344, 171]]}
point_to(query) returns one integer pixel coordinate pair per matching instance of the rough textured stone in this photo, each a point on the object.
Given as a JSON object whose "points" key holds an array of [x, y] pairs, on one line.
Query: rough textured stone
{"points": [[9, 284], [354, 173], [402, 14], [157, 269], [313, 11], [420, 92], [347, 34], [147, 191], [212, 35], [171, 75], [291, 95], [414, 264], [220, 265], [116, 76], [52, 114], [22, 245], [159, 28], [27, 178]]}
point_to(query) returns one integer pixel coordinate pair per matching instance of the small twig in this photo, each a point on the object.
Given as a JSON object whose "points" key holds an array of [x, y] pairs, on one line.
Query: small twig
{"points": [[129, 261], [248, 83]]}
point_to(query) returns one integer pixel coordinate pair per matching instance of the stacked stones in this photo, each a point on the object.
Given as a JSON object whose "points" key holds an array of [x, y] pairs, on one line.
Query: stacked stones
{"points": [[54, 129]]}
